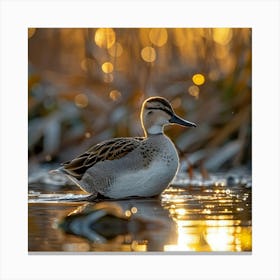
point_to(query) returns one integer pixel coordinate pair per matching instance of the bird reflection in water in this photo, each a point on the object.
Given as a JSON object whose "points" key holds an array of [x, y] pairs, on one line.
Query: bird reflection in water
{"points": [[123, 225]]}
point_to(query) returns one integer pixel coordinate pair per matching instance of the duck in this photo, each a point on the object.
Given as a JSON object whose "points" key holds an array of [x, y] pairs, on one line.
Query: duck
{"points": [[128, 167]]}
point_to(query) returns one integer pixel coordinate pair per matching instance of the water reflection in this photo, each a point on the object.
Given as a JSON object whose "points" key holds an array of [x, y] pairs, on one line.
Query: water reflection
{"points": [[128, 225], [210, 219], [201, 219]]}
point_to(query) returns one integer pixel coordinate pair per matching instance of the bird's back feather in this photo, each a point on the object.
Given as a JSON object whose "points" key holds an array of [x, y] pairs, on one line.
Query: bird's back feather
{"points": [[112, 149]]}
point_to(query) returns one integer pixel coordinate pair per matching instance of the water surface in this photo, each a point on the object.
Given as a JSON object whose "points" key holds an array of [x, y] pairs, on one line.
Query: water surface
{"points": [[198, 217]]}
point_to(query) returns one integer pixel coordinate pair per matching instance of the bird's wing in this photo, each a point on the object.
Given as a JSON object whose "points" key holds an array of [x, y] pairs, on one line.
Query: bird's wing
{"points": [[112, 149]]}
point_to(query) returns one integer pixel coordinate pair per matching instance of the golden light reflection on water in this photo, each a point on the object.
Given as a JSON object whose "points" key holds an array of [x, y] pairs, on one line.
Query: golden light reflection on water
{"points": [[220, 238], [220, 222], [188, 239], [201, 236]]}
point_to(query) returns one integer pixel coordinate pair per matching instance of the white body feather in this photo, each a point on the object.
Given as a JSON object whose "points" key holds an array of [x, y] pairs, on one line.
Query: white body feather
{"points": [[144, 182]]}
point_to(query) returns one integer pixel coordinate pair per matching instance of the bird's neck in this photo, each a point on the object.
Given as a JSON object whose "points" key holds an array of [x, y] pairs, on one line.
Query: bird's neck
{"points": [[153, 130]]}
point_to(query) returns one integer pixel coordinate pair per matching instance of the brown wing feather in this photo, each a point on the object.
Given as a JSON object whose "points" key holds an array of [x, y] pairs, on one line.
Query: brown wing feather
{"points": [[107, 150]]}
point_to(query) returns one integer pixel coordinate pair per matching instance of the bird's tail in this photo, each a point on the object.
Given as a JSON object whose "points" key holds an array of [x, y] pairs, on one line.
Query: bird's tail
{"points": [[57, 171]]}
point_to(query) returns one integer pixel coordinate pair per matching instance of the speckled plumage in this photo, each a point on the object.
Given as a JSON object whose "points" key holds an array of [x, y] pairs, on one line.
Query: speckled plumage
{"points": [[131, 166], [107, 150]]}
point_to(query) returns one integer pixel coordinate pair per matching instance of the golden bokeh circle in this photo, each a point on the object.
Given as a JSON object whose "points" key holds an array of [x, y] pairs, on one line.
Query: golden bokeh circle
{"points": [[148, 54], [107, 67], [158, 36], [198, 79], [105, 37]]}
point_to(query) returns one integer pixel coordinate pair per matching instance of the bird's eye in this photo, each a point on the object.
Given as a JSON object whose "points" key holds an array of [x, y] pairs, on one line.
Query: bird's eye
{"points": [[150, 112]]}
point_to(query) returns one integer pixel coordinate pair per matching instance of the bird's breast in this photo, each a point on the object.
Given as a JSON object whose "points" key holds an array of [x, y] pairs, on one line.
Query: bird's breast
{"points": [[151, 179]]}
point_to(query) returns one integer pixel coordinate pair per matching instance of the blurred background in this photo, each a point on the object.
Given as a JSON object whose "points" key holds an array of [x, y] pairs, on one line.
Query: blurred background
{"points": [[86, 85]]}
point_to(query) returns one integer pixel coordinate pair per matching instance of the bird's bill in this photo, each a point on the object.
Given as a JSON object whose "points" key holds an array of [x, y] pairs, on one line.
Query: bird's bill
{"points": [[180, 121]]}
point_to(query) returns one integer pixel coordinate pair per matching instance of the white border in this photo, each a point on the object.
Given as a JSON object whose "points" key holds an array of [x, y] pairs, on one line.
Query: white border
{"points": [[262, 16]]}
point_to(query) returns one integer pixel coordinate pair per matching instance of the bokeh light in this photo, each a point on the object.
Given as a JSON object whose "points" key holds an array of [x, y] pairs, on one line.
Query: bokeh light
{"points": [[81, 100], [188, 66], [107, 67], [115, 95], [158, 36], [148, 54], [116, 50], [222, 35], [134, 210], [194, 91], [105, 37], [127, 213], [198, 79]]}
